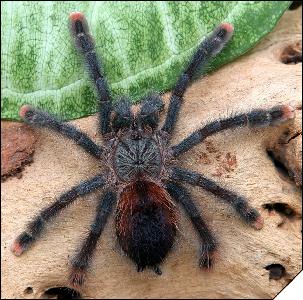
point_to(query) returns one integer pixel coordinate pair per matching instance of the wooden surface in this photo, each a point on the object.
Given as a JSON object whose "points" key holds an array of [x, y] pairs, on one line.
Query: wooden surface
{"points": [[235, 159]]}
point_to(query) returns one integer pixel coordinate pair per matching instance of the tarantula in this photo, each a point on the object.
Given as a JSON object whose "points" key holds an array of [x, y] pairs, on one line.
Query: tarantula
{"points": [[141, 176]]}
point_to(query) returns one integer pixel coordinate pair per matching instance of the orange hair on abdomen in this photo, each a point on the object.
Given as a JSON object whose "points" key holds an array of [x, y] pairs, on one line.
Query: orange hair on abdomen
{"points": [[146, 223]]}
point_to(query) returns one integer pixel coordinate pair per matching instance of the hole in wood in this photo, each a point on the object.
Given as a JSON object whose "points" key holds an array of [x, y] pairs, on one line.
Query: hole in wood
{"points": [[61, 293], [295, 5], [29, 290], [281, 208], [276, 271], [278, 164], [292, 54]]}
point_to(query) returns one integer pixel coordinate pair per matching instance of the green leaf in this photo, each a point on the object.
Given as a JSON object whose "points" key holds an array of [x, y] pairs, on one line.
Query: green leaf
{"points": [[143, 45]]}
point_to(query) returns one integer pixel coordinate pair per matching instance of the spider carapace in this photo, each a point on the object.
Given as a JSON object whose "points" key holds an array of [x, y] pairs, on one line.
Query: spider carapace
{"points": [[141, 177]]}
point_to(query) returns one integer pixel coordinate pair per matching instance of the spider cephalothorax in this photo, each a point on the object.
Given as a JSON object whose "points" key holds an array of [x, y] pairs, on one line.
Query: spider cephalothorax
{"points": [[141, 176]]}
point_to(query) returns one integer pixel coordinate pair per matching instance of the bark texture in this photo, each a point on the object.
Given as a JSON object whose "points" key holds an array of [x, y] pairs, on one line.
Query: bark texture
{"points": [[236, 159]]}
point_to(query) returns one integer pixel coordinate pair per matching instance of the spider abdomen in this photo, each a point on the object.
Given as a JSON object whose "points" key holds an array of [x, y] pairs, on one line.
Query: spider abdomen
{"points": [[145, 223], [137, 158]]}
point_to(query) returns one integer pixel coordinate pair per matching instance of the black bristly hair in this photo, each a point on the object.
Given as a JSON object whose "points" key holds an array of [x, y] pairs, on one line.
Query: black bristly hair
{"points": [[82, 260], [255, 118], [151, 107], [248, 214], [37, 225], [122, 115], [86, 47], [141, 179], [209, 47], [39, 118], [208, 241]]}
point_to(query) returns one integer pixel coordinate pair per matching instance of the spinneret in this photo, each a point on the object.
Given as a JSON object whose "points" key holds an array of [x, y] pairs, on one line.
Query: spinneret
{"points": [[141, 179]]}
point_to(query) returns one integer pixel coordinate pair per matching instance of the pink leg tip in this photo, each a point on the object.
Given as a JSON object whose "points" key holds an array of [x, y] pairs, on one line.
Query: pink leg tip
{"points": [[77, 278], [23, 110], [207, 260], [76, 15], [16, 248], [228, 27], [272, 213], [258, 224], [288, 112]]}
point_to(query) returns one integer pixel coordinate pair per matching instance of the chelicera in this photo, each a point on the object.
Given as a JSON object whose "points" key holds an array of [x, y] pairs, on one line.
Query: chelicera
{"points": [[141, 177]]}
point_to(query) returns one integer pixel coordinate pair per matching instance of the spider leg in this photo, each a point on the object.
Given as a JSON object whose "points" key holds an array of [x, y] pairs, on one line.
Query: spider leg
{"points": [[255, 118], [248, 213], [209, 244], [85, 44], [81, 261], [39, 118], [37, 225], [208, 48]]}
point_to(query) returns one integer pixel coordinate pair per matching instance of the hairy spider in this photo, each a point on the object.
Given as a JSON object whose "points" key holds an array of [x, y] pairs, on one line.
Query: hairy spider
{"points": [[141, 177]]}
